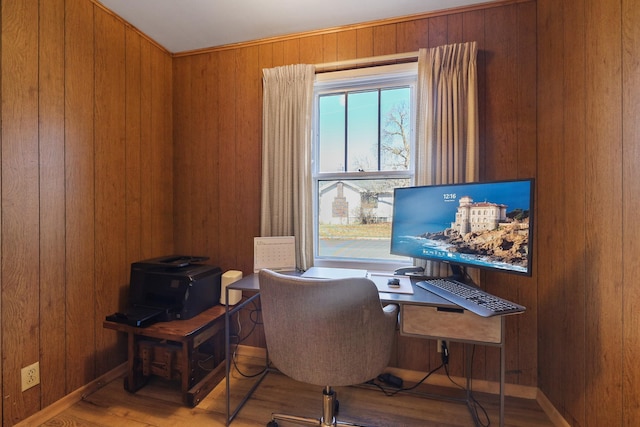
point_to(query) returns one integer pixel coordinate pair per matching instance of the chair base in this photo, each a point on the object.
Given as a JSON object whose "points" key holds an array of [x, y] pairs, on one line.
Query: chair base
{"points": [[309, 421], [329, 409]]}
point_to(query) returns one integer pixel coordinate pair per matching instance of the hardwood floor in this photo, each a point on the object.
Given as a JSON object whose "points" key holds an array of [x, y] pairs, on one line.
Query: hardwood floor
{"points": [[158, 404]]}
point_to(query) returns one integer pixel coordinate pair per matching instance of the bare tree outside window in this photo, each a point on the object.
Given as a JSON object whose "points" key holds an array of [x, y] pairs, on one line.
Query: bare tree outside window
{"points": [[396, 143]]}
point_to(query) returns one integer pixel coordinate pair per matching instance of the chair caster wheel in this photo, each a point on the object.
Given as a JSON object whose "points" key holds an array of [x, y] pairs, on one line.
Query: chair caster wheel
{"points": [[272, 424]]}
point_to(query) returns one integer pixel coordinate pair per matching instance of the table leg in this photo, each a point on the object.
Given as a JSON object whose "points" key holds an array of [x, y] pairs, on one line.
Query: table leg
{"points": [[134, 379], [187, 370]]}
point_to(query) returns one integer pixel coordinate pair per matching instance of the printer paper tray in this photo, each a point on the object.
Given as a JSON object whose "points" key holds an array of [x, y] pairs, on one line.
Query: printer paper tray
{"points": [[140, 316]]}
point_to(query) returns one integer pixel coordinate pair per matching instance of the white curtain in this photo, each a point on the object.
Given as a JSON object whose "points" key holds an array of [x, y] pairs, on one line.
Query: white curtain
{"points": [[286, 205], [447, 125]]}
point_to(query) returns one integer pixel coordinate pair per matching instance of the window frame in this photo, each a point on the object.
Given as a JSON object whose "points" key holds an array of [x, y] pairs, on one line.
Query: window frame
{"points": [[397, 75]]}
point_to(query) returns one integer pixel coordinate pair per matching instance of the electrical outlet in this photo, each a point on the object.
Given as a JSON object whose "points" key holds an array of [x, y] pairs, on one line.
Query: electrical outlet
{"points": [[439, 345], [30, 376]]}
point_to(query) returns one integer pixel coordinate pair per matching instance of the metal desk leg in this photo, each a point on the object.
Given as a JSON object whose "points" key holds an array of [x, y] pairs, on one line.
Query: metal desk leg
{"points": [[502, 372], [470, 349], [227, 325], [469, 368], [227, 351]]}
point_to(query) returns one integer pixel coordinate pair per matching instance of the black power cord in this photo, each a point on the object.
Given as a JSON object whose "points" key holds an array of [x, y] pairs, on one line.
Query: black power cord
{"points": [[390, 380], [255, 320], [397, 384]]}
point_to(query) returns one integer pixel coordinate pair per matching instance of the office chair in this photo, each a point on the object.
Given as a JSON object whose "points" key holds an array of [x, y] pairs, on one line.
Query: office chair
{"points": [[327, 333]]}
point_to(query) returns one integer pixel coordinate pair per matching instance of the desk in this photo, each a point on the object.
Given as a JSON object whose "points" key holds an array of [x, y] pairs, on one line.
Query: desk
{"points": [[169, 350], [422, 314]]}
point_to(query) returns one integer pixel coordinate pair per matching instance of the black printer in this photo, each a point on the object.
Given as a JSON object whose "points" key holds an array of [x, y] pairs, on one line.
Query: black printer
{"points": [[168, 288]]}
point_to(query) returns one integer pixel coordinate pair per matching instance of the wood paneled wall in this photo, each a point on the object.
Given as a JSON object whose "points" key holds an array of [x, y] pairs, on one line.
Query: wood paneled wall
{"points": [[217, 128], [87, 188], [113, 151], [589, 197]]}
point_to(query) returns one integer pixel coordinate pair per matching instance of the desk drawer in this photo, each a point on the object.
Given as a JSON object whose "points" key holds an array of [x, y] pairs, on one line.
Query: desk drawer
{"points": [[429, 322]]}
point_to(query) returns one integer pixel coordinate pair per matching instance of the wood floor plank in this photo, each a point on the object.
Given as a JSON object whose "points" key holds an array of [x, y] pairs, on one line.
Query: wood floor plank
{"points": [[158, 404]]}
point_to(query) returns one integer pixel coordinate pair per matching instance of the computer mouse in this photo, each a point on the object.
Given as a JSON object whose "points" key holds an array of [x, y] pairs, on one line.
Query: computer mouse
{"points": [[393, 283]]}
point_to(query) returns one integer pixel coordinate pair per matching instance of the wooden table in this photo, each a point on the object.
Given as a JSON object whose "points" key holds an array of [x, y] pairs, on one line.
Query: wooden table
{"points": [[169, 350]]}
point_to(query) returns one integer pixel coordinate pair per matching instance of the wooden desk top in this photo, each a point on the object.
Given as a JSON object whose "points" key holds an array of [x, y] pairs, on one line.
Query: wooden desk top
{"points": [[175, 330]]}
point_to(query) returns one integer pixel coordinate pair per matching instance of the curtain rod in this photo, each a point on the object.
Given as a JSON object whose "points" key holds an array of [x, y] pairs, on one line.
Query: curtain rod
{"points": [[366, 62]]}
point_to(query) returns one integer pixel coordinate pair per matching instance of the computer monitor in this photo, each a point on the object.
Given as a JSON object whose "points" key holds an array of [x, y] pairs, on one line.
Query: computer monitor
{"points": [[488, 225]]}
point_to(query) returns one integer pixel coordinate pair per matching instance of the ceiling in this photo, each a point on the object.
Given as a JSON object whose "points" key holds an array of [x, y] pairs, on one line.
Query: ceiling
{"points": [[185, 25]]}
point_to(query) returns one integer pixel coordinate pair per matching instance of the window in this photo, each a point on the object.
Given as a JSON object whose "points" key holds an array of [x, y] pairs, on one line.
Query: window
{"points": [[363, 142]]}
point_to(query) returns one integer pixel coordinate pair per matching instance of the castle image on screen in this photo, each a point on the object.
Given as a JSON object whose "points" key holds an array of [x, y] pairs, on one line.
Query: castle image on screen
{"points": [[486, 225]]}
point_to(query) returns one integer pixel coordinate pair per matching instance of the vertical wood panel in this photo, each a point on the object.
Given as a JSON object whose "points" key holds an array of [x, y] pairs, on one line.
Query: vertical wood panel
{"points": [[524, 352], [501, 145], [310, 50], [437, 31], [365, 42], [604, 214], [110, 178], [416, 354], [412, 35], [161, 151], [525, 67], [454, 28], [347, 44], [146, 149], [80, 191], [52, 209], [265, 53], [631, 207], [214, 208], [20, 205], [550, 171], [249, 146], [183, 157], [1, 316], [291, 51], [132, 153], [198, 164], [384, 39], [157, 153], [330, 47], [574, 200], [228, 155], [474, 30], [277, 54]]}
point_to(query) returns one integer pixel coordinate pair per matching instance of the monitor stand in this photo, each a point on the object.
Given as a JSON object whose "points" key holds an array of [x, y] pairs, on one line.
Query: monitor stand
{"points": [[417, 273], [457, 273]]}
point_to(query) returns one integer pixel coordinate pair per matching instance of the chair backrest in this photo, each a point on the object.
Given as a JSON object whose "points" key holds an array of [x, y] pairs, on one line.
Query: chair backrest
{"points": [[326, 332]]}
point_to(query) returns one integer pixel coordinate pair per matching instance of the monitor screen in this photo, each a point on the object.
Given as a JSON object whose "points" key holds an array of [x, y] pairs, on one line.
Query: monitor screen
{"points": [[486, 224]]}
